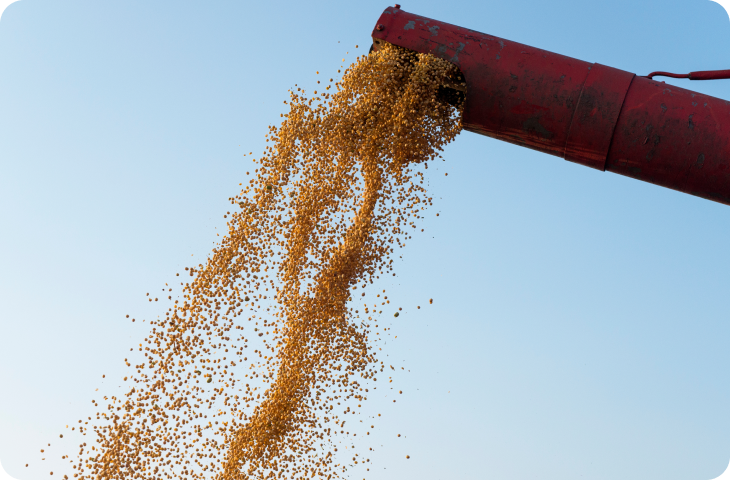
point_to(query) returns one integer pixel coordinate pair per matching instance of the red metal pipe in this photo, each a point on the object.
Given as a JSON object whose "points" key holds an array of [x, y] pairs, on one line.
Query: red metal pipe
{"points": [[587, 113]]}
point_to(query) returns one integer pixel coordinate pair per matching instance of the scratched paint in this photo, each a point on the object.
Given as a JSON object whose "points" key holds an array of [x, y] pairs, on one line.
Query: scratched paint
{"points": [[651, 129], [533, 126], [455, 58], [700, 160]]}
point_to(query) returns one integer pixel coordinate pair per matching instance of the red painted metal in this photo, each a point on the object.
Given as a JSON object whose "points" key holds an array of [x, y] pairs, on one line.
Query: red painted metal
{"points": [[706, 75], [590, 114]]}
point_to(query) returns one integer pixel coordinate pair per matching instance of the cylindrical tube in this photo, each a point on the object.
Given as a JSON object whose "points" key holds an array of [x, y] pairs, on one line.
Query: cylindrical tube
{"points": [[590, 114], [710, 75]]}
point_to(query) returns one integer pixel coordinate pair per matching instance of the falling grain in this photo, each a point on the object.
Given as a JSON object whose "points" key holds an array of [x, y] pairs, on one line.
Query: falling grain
{"points": [[335, 193]]}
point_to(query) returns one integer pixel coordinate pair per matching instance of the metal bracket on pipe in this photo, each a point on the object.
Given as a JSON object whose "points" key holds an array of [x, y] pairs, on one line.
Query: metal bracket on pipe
{"points": [[704, 75]]}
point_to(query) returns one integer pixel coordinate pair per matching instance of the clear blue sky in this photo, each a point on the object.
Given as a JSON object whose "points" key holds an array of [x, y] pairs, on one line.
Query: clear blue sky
{"points": [[580, 325]]}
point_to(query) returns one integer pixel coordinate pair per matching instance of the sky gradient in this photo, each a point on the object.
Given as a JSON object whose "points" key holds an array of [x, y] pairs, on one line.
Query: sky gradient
{"points": [[580, 323]]}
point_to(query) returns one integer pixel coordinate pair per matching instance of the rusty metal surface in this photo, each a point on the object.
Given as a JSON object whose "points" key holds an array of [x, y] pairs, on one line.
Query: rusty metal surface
{"points": [[675, 138], [590, 114], [599, 105], [516, 93]]}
